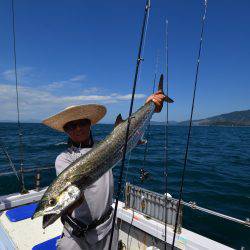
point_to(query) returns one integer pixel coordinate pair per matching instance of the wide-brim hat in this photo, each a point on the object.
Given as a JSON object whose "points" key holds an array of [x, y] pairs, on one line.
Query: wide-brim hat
{"points": [[93, 112]]}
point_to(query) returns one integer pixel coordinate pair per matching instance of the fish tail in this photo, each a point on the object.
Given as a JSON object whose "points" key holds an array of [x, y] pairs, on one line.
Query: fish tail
{"points": [[160, 89]]}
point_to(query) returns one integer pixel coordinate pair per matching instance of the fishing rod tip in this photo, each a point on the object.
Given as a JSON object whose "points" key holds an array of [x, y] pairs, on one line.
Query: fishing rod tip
{"points": [[148, 4]]}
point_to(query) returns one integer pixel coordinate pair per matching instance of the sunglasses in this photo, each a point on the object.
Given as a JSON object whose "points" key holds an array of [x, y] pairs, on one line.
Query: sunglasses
{"points": [[70, 126]]}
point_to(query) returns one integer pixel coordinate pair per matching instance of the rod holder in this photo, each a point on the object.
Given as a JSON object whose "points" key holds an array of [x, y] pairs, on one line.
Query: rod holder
{"points": [[38, 180]]}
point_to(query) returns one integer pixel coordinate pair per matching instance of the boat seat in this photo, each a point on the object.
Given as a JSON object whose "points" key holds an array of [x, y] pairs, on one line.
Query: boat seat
{"points": [[21, 213], [49, 244]]}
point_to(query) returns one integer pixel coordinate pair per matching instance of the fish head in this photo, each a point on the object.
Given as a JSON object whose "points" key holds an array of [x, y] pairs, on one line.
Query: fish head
{"points": [[55, 202]]}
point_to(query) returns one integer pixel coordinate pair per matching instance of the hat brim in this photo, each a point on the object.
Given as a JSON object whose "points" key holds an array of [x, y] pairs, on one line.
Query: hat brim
{"points": [[93, 112]]}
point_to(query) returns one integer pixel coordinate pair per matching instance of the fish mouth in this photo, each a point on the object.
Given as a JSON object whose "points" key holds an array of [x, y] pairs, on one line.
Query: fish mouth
{"points": [[48, 219]]}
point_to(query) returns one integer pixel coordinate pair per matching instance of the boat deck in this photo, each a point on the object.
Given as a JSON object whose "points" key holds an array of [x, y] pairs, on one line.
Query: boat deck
{"points": [[145, 232], [26, 234]]}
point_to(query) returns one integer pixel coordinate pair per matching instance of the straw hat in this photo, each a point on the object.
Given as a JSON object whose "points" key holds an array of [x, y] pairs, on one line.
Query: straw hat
{"points": [[93, 112]]}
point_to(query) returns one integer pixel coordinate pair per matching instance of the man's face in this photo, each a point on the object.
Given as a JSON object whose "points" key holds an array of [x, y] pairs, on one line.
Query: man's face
{"points": [[78, 130]]}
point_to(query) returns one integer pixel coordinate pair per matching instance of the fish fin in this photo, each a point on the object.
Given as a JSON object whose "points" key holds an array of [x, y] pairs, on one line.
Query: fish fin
{"points": [[168, 99], [160, 89], [118, 120]]}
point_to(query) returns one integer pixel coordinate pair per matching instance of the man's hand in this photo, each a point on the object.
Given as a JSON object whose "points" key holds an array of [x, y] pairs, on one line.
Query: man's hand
{"points": [[158, 99]]}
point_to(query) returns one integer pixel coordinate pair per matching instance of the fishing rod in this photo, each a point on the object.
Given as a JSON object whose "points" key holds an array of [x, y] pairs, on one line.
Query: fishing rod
{"points": [[143, 173], [23, 190], [190, 122], [139, 60], [166, 143]]}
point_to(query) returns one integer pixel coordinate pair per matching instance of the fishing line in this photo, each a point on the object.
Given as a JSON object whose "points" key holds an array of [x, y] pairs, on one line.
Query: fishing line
{"points": [[156, 69], [139, 77], [147, 141], [131, 222], [148, 128], [126, 176], [139, 59], [127, 167], [166, 144], [17, 99], [10, 161], [190, 123], [145, 150]]}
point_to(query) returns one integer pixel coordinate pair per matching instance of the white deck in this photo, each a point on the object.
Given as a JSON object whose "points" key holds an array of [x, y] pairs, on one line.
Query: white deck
{"points": [[27, 233]]}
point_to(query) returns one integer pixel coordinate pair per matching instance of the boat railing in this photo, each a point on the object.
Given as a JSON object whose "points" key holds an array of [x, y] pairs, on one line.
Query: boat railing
{"points": [[36, 170], [28, 170], [147, 202], [153, 205], [193, 205]]}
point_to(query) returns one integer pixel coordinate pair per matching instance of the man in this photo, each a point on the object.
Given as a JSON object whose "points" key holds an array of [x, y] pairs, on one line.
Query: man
{"points": [[93, 214]]}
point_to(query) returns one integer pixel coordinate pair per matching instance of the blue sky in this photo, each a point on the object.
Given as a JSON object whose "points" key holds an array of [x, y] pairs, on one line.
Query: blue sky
{"points": [[73, 52]]}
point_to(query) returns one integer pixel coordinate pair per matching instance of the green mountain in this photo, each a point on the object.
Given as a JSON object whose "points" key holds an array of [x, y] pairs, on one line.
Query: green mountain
{"points": [[236, 118]]}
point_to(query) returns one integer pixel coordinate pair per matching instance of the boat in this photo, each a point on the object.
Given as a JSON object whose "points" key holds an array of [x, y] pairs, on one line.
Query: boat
{"points": [[140, 219]]}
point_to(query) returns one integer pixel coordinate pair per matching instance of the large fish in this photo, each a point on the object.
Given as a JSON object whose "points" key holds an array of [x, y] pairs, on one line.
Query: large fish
{"points": [[69, 186]]}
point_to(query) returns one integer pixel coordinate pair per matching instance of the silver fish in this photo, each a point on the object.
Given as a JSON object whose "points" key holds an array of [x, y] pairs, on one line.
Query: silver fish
{"points": [[68, 187]]}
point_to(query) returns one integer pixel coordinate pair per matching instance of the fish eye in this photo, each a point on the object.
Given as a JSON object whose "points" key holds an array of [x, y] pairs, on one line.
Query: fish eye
{"points": [[52, 202]]}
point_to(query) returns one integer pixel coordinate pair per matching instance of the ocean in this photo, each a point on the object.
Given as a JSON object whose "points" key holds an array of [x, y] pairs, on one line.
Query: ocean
{"points": [[217, 175]]}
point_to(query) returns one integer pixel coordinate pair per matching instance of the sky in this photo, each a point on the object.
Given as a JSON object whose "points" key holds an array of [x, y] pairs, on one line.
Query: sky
{"points": [[81, 52]]}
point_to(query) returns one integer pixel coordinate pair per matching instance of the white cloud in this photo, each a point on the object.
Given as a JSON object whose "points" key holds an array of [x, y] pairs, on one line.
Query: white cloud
{"points": [[23, 74], [27, 75], [78, 79], [55, 85], [89, 91], [35, 103], [39, 101]]}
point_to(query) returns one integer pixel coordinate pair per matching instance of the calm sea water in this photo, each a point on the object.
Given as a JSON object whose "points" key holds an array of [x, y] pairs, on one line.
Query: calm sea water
{"points": [[217, 176]]}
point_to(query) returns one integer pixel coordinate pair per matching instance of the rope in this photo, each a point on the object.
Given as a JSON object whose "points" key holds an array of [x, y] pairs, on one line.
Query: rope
{"points": [[166, 144], [190, 123], [139, 59], [17, 99]]}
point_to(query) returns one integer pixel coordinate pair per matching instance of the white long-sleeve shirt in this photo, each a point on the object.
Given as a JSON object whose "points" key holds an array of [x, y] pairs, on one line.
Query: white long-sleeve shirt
{"points": [[98, 196]]}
